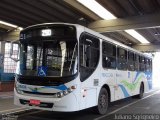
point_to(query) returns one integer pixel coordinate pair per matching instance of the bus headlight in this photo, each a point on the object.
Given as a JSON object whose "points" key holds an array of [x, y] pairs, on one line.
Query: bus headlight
{"points": [[65, 92], [60, 94], [19, 91]]}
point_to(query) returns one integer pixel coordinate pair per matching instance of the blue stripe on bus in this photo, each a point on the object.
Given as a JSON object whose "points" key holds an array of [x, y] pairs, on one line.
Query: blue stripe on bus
{"points": [[60, 87], [137, 74], [124, 91]]}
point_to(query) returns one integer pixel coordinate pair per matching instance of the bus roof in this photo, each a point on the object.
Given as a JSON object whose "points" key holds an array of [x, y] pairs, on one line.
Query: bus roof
{"points": [[93, 33]]}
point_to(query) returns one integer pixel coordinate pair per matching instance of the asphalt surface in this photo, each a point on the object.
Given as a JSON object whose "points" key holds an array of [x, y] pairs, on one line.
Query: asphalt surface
{"points": [[7, 104], [147, 108]]}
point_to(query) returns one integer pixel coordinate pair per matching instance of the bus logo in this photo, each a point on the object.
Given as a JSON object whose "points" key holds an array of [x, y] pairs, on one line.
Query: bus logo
{"points": [[42, 71]]}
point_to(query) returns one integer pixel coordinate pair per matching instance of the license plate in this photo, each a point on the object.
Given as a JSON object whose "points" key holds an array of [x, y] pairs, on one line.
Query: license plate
{"points": [[34, 102]]}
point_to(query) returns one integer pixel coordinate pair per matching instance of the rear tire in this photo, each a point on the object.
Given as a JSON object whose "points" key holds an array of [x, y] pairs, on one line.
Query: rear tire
{"points": [[141, 91], [103, 101]]}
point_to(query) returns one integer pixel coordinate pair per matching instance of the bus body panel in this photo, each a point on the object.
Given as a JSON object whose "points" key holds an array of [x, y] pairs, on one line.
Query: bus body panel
{"points": [[89, 90], [108, 78], [138, 78], [122, 77]]}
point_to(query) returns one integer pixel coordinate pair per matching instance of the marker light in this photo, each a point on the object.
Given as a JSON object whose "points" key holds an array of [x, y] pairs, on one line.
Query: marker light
{"points": [[73, 87], [65, 92]]}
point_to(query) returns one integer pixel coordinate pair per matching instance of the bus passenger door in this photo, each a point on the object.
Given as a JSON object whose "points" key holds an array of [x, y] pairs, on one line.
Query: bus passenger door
{"points": [[89, 60]]}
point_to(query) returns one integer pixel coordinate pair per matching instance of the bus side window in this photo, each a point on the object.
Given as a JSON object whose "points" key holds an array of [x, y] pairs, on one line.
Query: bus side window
{"points": [[150, 65], [89, 55], [121, 58], [109, 55], [136, 62], [85, 54], [147, 65], [142, 63], [131, 65]]}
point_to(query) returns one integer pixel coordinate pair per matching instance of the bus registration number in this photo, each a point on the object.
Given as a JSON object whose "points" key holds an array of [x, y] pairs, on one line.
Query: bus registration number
{"points": [[34, 102]]}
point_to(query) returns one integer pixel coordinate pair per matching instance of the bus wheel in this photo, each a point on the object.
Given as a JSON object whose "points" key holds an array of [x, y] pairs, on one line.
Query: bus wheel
{"points": [[102, 106], [141, 91]]}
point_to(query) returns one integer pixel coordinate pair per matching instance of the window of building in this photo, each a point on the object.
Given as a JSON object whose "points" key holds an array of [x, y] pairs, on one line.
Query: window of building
{"points": [[9, 64]]}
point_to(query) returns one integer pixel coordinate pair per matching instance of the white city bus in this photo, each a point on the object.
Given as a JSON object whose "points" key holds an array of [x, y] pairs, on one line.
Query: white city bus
{"points": [[68, 67]]}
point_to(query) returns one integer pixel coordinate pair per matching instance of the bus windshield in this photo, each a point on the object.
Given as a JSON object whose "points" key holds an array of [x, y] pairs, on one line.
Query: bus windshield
{"points": [[57, 58]]}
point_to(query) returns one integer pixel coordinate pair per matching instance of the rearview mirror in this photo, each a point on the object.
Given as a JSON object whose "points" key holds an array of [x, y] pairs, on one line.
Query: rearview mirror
{"points": [[14, 51]]}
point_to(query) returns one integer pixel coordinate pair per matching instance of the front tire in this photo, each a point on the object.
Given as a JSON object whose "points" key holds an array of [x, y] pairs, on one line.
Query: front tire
{"points": [[102, 106]]}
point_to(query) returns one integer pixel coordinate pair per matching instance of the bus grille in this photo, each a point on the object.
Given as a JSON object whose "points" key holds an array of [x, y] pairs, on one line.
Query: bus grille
{"points": [[39, 93]]}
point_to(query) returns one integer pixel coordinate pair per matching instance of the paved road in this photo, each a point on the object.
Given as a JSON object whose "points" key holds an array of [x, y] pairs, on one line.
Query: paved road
{"points": [[124, 109], [6, 104]]}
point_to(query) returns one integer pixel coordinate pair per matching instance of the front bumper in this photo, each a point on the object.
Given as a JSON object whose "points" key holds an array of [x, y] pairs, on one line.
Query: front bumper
{"points": [[67, 103]]}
